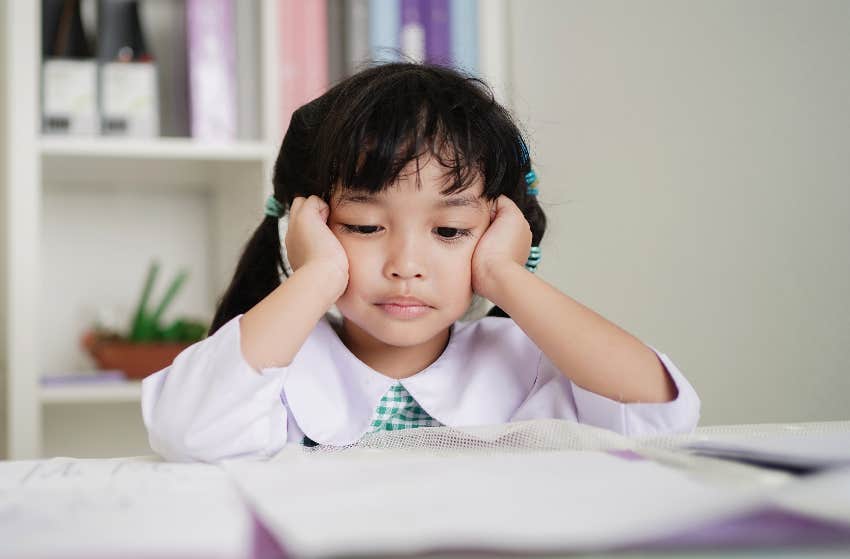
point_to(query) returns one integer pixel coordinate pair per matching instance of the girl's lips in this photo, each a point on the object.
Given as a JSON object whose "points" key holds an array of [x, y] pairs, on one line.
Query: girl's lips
{"points": [[404, 311], [404, 302]]}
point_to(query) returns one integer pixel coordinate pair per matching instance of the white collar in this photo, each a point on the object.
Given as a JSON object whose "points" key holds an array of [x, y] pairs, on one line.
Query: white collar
{"points": [[479, 379]]}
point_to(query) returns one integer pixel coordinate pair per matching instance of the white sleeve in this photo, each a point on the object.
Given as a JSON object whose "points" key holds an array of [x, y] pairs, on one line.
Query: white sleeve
{"points": [[555, 396], [210, 404]]}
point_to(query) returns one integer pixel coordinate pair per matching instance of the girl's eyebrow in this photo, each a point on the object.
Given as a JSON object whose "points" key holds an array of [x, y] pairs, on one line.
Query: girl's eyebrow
{"points": [[460, 202], [446, 202], [347, 199]]}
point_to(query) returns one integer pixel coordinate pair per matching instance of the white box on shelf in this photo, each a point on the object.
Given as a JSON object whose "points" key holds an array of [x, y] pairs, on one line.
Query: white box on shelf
{"points": [[129, 101], [69, 100]]}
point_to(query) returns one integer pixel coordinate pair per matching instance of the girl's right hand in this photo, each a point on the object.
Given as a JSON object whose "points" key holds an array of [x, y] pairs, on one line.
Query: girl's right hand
{"points": [[309, 239]]}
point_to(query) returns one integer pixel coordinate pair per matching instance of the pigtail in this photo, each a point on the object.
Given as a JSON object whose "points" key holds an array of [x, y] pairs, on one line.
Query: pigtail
{"points": [[261, 265], [257, 274]]}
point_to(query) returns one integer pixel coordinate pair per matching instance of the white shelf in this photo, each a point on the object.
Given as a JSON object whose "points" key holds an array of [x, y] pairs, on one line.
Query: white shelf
{"points": [[80, 211], [158, 148], [115, 392], [148, 164]]}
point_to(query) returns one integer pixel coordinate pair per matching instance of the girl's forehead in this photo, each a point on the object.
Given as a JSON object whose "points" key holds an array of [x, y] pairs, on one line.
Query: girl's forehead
{"points": [[427, 185], [465, 199]]}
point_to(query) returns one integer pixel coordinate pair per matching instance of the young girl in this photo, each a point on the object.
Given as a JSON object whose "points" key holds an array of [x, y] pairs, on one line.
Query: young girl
{"points": [[409, 190]]}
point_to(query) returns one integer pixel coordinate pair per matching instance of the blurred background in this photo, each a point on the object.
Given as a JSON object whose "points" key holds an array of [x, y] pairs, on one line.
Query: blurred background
{"points": [[693, 161]]}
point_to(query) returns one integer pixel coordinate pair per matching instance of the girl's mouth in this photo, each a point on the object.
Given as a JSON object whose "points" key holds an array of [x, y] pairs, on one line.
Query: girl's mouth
{"points": [[407, 311]]}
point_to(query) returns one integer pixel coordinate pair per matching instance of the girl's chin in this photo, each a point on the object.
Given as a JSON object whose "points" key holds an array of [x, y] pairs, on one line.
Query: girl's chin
{"points": [[399, 332]]}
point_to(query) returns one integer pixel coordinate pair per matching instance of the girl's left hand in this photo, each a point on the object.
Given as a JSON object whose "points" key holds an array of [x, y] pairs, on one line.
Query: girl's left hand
{"points": [[506, 242]]}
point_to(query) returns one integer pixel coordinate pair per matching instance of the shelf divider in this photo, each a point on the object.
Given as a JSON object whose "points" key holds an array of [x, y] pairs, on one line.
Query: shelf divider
{"points": [[116, 392], [156, 148]]}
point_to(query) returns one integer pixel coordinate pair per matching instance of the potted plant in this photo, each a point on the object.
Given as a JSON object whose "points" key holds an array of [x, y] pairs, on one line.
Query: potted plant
{"points": [[148, 346]]}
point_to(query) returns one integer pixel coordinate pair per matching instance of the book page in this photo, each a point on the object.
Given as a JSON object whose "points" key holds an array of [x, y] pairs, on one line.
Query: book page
{"points": [[120, 507], [367, 501]]}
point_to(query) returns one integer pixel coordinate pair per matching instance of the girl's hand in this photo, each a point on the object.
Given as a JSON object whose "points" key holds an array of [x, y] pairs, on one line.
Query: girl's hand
{"points": [[309, 239], [506, 242]]}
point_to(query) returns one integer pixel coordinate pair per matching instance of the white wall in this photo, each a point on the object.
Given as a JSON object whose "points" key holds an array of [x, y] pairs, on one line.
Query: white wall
{"points": [[694, 163], [3, 237]]}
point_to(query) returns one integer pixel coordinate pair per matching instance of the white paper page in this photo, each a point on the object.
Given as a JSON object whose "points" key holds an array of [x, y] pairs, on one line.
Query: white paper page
{"points": [[825, 496], [366, 501], [67, 507], [821, 450]]}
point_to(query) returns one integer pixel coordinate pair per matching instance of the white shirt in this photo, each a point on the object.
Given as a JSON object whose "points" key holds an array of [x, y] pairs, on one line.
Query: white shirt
{"points": [[210, 404]]}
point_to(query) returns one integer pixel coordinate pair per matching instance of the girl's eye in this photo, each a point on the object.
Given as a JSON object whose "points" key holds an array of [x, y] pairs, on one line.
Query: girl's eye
{"points": [[452, 233], [361, 229], [447, 234]]}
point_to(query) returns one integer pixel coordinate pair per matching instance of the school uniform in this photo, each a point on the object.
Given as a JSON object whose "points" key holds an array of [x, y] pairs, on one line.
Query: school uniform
{"points": [[210, 404]]}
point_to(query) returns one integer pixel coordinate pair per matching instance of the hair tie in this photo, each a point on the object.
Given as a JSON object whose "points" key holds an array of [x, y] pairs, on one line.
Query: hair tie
{"points": [[273, 207], [534, 257], [530, 176], [532, 182]]}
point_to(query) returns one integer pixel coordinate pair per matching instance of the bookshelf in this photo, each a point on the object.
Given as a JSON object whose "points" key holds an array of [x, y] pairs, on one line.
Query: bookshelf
{"points": [[83, 216]]}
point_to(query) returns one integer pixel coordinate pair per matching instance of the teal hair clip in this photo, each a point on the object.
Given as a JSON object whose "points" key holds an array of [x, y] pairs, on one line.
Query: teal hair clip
{"points": [[531, 182], [273, 207], [534, 257]]}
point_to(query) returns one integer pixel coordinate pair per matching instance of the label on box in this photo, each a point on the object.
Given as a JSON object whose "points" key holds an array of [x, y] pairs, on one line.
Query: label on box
{"points": [[129, 102], [69, 100]]}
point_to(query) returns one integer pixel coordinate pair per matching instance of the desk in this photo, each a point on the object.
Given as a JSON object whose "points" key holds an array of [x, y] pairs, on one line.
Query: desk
{"points": [[141, 506]]}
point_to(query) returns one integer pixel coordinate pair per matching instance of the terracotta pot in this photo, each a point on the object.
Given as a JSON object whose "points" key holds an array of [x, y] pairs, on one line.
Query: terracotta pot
{"points": [[137, 360]]}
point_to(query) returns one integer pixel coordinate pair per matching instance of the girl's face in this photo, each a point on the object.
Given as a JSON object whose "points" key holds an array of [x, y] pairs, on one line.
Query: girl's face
{"points": [[409, 243]]}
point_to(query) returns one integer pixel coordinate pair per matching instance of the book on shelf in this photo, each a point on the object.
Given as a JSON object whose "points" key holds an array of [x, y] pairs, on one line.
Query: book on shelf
{"points": [[437, 32], [337, 62], [247, 71], [303, 54], [463, 22], [357, 25], [384, 25], [412, 33], [211, 30]]}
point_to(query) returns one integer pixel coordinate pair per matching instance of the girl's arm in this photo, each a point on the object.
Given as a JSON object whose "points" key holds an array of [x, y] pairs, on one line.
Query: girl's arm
{"points": [[592, 352], [275, 328]]}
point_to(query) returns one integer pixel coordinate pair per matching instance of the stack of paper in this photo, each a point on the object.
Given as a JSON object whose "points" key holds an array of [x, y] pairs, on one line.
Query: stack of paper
{"points": [[787, 450], [67, 507], [364, 502]]}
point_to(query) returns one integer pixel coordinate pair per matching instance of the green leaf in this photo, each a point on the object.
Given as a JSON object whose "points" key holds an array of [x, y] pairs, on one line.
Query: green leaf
{"points": [[140, 328], [170, 293]]}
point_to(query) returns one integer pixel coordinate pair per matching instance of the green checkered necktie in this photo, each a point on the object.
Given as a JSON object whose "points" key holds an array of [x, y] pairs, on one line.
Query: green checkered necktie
{"points": [[398, 410]]}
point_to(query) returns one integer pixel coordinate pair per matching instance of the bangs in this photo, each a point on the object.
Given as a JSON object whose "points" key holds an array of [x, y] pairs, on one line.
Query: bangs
{"points": [[386, 118]]}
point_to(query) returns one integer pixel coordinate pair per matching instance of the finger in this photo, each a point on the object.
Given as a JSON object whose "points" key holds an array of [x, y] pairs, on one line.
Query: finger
{"points": [[507, 203], [318, 202], [500, 206], [296, 204], [318, 206]]}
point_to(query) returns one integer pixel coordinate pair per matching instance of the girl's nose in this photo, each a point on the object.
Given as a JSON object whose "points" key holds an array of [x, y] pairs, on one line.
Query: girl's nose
{"points": [[404, 260]]}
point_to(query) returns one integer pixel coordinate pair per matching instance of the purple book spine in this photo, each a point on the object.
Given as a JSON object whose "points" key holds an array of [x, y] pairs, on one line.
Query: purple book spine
{"points": [[437, 31], [212, 68], [412, 33]]}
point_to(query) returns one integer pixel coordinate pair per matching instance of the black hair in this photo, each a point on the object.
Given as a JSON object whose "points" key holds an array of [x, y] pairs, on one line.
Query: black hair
{"points": [[362, 132]]}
